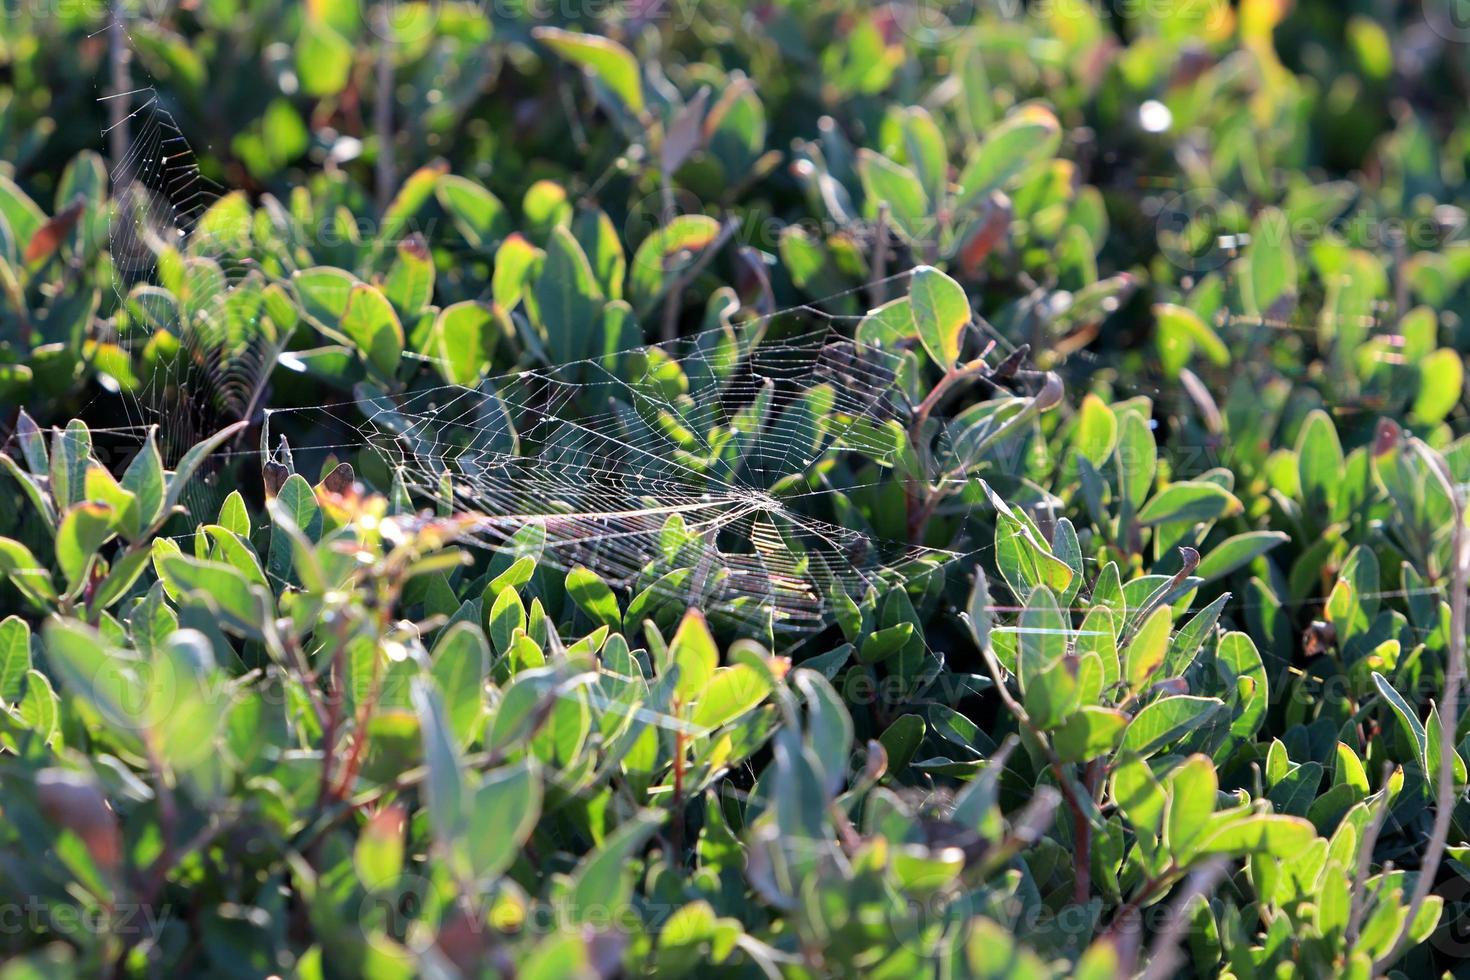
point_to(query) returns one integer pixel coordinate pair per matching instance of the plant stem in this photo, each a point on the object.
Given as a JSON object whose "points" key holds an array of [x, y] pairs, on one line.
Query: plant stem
{"points": [[383, 109], [877, 290], [1082, 827], [1163, 956], [1444, 804]]}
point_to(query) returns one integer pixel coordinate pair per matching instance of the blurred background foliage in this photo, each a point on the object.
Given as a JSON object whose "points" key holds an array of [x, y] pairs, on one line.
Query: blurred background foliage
{"points": [[1232, 237]]}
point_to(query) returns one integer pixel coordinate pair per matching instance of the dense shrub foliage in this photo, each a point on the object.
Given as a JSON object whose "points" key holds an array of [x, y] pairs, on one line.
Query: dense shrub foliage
{"points": [[1141, 365]]}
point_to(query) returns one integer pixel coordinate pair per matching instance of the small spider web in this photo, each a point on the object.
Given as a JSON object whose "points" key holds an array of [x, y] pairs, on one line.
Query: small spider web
{"points": [[180, 257]]}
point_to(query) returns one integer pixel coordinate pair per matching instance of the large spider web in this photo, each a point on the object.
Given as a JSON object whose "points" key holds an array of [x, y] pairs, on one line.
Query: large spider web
{"points": [[676, 467], [699, 471]]}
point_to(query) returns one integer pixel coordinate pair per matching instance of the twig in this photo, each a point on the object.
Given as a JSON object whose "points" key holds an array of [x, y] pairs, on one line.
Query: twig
{"points": [[1365, 859], [674, 298], [877, 288], [119, 105], [1450, 704], [1163, 955], [383, 109], [1082, 827]]}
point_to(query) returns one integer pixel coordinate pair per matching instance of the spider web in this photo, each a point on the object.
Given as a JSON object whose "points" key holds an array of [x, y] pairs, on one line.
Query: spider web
{"points": [[707, 471], [675, 467], [187, 289]]}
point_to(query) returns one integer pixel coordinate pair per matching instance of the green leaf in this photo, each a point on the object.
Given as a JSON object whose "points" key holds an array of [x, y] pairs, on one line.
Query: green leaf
{"points": [[507, 615], [478, 214], [729, 693], [881, 644], [296, 501], [941, 313], [233, 516], [1180, 332], [1054, 694], [666, 253], [1043, 636], [901, 741], [71, 455], [594, 597], [101, 488], [503, 811], [888, 182], [1434, 747], [120, 578], [1191, 789], [40, 708], [694, 652], [607, 60], [323, 58], [1280, 836], [514, 261], [1441, 386], [1096, 431], [516, 575], [84, 528], [1271, 262], [22, 216], [1140, 796], [1319, 465], [409, 284], [603, 879], [225, 587], [888, 325], [32, 444], [463, 342], [26, 573], [1029, 135], [1148, 648], [15, 658], [1137, 457], [568, 299], [1241, 666], [411, 198], [460, 660], [1190, 501], [378, 855], [35, 492], [101, 676], [603, 247], [369, 321], [1090, 733], [445, 781], [1236, 552], [1164, 722], [1408, 717]]}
